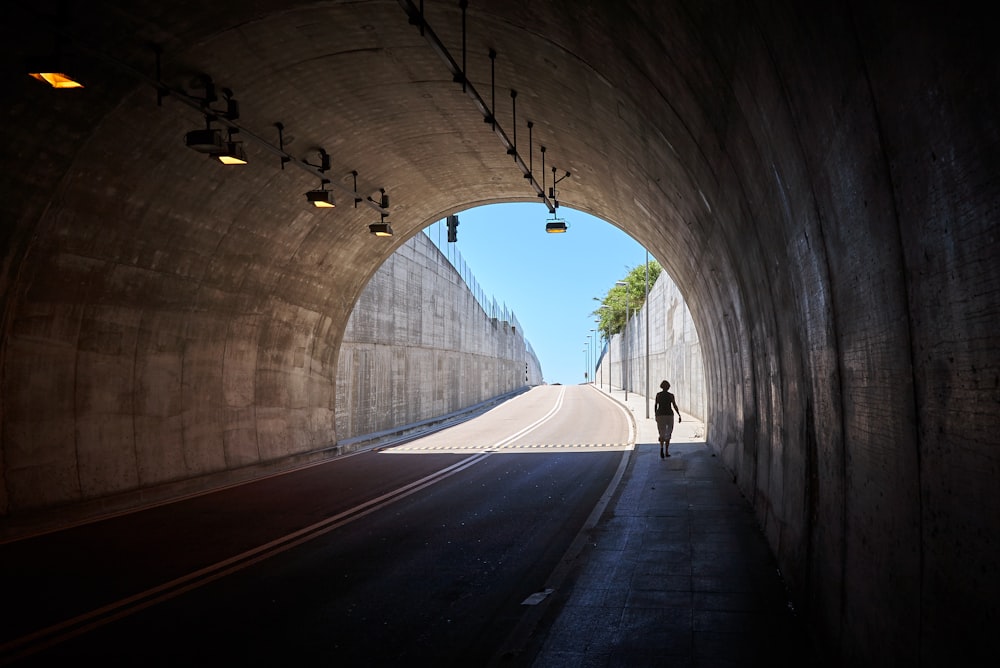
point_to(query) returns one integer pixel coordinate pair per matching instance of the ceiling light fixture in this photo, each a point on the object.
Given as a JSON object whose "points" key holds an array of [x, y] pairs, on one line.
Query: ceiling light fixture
{"points": [[200, 95], [232, 152], [556, 226], [208, 141], [57, 79], [382, 228], [321, 198], [51, 68]]}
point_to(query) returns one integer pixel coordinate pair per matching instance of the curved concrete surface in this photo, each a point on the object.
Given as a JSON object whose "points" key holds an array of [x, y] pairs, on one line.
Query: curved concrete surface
{"points": [[419, 346], [819, 178]]}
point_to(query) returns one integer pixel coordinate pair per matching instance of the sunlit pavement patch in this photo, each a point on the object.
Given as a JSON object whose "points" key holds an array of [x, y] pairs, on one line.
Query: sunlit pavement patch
{"points": [[471, 448]]}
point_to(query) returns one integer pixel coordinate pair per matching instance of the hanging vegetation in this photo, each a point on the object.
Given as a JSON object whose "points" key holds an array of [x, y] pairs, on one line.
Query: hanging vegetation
{"points": [[631, 297]]}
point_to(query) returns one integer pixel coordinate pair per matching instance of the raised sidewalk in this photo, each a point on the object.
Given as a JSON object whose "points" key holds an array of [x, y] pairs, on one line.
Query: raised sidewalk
{"points": [[675, 573]]}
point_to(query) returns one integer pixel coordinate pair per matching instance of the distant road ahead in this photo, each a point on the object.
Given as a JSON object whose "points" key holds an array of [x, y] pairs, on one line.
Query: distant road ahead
{"points": [[417, 554]]}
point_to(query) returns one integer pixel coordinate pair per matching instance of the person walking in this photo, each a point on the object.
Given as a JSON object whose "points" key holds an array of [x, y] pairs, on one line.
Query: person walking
{"points": [[664, 412]]}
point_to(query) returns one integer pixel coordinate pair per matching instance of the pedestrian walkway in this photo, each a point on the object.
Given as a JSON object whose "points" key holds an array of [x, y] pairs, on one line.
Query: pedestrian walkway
{"points": [[675, 573]]}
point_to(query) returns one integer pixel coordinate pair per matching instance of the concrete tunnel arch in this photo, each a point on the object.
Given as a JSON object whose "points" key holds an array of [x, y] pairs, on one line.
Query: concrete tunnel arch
{"points": [[819, 180]]}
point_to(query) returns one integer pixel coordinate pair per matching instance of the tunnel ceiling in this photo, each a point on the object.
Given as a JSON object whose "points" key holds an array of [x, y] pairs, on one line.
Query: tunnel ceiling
{"points": [[359, 80]]}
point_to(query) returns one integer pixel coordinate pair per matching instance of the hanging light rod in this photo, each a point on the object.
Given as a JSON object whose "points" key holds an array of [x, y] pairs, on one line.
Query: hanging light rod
{"points": [[284, 156], [416, 17], [321, 198], [201, 105], [382, 228], [281, 146]]}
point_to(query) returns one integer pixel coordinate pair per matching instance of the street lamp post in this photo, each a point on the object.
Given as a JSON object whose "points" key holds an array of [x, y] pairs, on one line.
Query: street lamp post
{"points": [[590, 354], [607, 339], [593, 355], [625, 359], [645, 312]]}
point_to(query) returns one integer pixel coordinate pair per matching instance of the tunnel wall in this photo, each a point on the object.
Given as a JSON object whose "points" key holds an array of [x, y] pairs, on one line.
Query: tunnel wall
{"points": [[837, 246], [674, 351], [844, 261], [418, 345]]}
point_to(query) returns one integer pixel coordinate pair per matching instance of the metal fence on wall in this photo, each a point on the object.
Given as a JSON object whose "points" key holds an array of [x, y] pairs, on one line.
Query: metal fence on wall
{"points": [[491, 307]]}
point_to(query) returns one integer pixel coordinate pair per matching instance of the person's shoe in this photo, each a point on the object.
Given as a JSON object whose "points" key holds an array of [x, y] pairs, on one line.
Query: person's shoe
{"points": [[661, 453]]}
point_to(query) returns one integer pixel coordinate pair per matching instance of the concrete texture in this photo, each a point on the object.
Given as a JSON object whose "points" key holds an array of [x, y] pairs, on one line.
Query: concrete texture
{"points": [[818, 178], [674, 352], [418, 345]]}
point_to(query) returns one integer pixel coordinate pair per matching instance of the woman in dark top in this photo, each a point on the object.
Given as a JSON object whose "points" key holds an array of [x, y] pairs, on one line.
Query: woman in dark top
{"points": [[664, 411]]}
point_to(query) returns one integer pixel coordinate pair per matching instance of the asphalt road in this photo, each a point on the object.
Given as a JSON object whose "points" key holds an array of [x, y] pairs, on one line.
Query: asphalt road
{"points": [[418, 554]]}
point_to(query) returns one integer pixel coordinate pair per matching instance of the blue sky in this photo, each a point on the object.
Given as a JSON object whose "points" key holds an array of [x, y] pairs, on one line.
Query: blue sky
{"points": [[547, 280]]}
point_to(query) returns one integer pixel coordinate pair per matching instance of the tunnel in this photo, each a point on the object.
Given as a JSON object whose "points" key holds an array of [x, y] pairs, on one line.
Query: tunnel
{"points": [[819, 179]]}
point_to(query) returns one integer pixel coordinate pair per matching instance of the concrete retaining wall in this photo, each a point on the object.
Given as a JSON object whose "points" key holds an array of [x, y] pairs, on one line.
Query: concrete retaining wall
{"points": [[674, 351], [418, 345]]}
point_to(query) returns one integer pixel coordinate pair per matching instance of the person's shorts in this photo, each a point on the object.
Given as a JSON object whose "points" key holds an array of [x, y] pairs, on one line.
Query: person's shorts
{"points": [[665, 426]]}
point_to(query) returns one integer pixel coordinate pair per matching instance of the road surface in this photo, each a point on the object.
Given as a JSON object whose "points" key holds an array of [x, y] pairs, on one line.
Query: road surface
{"points": [[423, 553]]}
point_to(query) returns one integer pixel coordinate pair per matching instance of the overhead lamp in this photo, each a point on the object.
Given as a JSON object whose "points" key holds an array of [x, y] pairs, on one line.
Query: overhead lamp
{"points": [[232, 154], [556, 226], [208, 141], [382, 228], [57, 79], [232, 111], [51, 68], [321, 198]]}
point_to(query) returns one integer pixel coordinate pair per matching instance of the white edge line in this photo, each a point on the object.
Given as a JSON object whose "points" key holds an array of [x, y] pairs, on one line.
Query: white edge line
{"points": [[517, 638]]}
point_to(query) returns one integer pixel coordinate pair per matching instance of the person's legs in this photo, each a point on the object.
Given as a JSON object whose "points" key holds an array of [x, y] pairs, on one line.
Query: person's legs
{"points": [[662, 422], [667, 432]]}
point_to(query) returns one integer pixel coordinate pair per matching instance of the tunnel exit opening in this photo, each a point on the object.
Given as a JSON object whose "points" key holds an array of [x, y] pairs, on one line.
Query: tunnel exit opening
{"points": [[416, 346]]}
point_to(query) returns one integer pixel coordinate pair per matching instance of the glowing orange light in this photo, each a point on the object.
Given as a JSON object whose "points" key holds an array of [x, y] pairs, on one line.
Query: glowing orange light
{"points": [[57, 79]]}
